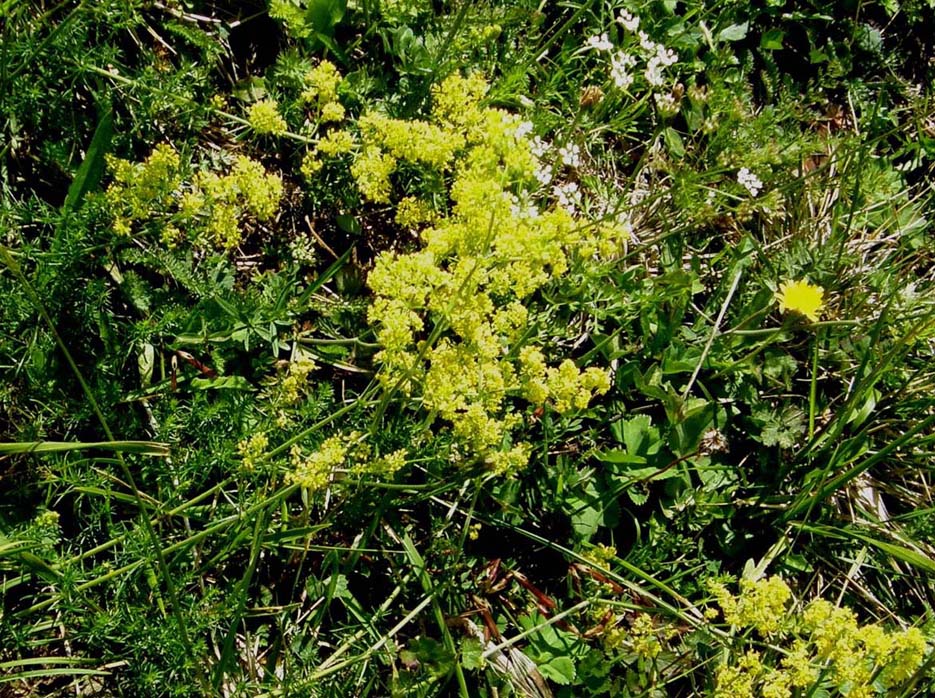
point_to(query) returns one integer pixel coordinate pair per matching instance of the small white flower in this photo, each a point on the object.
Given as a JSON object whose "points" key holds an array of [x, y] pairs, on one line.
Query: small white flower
{"points": [[666, 104], [628, 21], [543, 174], [646, 43], [600, 43], [568, 195], [749, 181], [653, 72], [539, 147], [523, 129], [619, 72], [665, 56], [570, 155], [523, 209], [662, 58]]}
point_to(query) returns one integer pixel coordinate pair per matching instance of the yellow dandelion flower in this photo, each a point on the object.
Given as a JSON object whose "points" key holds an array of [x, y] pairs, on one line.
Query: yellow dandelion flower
{"points": [[801, 297]]}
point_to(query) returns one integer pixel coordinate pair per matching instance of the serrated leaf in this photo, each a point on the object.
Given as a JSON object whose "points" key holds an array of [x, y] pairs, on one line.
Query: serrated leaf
{"points": [[560, 669], [472, 653]]}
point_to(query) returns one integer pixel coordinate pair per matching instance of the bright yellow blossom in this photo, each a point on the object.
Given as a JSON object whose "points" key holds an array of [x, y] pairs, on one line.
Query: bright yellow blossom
{"points": [[801, 297]]}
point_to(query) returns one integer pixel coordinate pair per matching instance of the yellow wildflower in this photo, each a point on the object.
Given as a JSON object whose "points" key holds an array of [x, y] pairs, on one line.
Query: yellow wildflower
{"points": [[264, 117], [323, 81], [332, 111], [252, 449], [801, 297], [312, 471], [336, 143]]}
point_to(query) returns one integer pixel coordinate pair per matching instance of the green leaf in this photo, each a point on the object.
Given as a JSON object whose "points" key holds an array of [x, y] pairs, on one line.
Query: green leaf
{"points": [[735, 32], [221, 383], [619, 457], [348, 223], [590, 510], [324, 15], [560, 669], [145, 448], [92, 167], [250, 89], [772, 40], [639, 436], [472, 653], [674, 142]]}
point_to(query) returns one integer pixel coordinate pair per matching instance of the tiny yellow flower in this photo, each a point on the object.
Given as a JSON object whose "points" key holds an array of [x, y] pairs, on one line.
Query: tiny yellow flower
{"points": [[801, 297]]}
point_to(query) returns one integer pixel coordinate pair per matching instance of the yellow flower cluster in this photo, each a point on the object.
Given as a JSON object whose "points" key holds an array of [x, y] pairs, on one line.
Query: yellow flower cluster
{"points": [[321, 89], [293, 384], [332, 111], [822, 641], [246, 190], [144, 189], [478, 266], [567, 387], [388, 465], [311, 165], [412, 213], [372, 169], [264, 118], [252, 449], [211, 208], [413, 141], [738, 680], [348, 453], [761, 604], [322, 83], [312, 471], [643, 637], [856, 652], [336, 143]]}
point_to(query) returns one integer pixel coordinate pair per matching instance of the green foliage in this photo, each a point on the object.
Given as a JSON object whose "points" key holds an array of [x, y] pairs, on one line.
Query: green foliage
{"points": [[411, 348]]}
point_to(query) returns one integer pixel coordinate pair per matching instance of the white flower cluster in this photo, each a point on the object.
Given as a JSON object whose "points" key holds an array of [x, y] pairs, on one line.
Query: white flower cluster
{"points": [[656, 55], [523, 208], [568, 195], [667, 104], [629, 22], [539, 148], [660, 58], [570, 155], [749, 181], [620, 65], [600, 43], [523, 129]]}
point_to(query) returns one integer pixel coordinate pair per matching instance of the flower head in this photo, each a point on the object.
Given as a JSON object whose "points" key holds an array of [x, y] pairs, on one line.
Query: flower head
{"points": [[750, 181], [600, 43], [801, 297], [628, 21], [264, 117]]}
